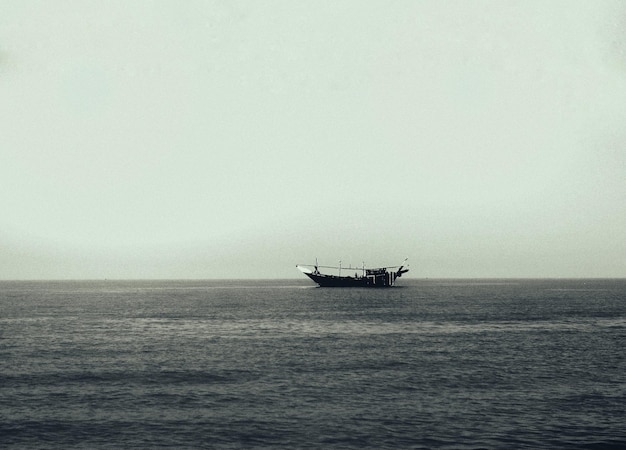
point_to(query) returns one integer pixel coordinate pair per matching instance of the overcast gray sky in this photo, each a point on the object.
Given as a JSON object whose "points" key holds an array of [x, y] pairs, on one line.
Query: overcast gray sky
{"points": [[210, 139]]}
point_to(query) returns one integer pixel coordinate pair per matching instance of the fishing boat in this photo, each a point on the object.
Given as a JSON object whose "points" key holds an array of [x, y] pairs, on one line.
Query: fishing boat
{"points": [[363, 277]]}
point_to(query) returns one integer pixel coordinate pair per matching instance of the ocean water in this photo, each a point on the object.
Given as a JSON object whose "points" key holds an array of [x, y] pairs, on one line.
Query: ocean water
{"points": [[283, 364]]}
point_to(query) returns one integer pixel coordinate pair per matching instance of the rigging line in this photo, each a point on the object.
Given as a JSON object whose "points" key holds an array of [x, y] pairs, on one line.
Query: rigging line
{"points": [[350, 268]]}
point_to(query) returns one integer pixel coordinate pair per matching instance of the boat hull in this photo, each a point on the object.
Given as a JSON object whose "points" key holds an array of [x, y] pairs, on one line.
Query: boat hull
{"points": [[379, 281]]}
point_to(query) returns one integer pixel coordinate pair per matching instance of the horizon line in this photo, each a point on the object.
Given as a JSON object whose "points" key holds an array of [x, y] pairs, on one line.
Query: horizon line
{"points": [[303, 279]]}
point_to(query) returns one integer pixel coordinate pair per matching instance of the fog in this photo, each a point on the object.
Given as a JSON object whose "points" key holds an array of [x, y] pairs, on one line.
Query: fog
{"points": [[237, 139]]}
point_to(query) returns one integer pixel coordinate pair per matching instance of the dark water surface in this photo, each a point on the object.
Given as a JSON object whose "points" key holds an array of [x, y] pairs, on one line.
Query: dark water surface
{"points": [[240, 364]]}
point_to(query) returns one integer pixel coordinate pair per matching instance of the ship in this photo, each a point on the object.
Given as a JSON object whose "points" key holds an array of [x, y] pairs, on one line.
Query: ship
{"points": [[378, 277]]}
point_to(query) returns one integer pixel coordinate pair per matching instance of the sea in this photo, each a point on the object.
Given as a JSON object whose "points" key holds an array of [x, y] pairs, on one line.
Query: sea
{"points": [[450, 364]]}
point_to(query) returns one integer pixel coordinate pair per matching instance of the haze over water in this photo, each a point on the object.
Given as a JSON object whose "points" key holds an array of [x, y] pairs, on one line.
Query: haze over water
{"points": [[211, 139], [282, 364]]}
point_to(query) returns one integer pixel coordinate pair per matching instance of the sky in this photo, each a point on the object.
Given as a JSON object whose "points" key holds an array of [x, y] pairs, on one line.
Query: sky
{"points": [[236, 139]]}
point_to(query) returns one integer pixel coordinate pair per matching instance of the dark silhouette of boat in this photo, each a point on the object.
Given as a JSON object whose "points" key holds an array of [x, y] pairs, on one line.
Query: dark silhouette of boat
{"points": [[376, 277]]}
